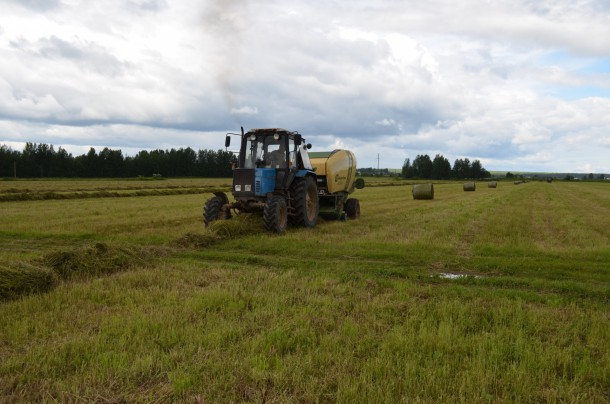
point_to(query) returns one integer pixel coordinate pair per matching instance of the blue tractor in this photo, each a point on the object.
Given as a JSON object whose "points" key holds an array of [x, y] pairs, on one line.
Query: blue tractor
{"points": [[273, 175]]}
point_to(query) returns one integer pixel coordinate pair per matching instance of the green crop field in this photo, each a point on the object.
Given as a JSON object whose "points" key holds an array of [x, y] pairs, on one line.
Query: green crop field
{"points": [[113, 291]]}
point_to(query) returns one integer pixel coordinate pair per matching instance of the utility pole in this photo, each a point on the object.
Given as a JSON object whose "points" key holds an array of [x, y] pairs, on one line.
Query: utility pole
{"points": [[15, 169], [378, 172]]}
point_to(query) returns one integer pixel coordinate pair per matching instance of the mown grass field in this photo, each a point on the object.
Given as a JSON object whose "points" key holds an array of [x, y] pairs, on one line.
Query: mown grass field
{"points": [[144, 304]]}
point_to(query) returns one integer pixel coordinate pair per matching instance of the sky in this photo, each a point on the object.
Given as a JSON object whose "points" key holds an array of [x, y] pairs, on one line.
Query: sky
{"points": [[521, 85]]}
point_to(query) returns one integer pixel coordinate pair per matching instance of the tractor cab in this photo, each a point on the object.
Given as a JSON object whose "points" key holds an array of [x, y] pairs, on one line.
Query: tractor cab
{"points": [[268, 150], [269, 161]]}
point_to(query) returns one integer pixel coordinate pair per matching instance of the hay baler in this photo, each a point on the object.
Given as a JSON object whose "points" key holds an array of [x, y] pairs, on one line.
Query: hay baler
{"points": [[273, 174], [336, 179]]}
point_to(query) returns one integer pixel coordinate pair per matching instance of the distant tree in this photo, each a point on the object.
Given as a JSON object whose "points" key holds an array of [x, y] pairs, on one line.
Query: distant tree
{"points": [[38, 160], [467, 168], [27, 165], [183, 162], [141, 164], [476, 170], [43, 156], [225, 161], [8, 161], [510, 175], [212, 163], [62, 164], [407, 169], [441, 168], [461, 169], [110, 163], [206, 163], [89, 164], [422, 166]]}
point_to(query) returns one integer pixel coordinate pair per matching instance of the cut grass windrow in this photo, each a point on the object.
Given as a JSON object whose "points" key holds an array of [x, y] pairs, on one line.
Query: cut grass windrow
{"points": [[88, 262], [50, 195]]}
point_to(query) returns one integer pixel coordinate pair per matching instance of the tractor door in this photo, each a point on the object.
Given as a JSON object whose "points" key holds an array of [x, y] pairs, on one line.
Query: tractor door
{"points": [[280, 153]]}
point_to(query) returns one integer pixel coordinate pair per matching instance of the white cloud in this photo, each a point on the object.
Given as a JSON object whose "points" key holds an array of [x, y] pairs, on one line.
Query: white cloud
{"points": [[499, 81], [245, 110], [530, 132], [386, 122]]}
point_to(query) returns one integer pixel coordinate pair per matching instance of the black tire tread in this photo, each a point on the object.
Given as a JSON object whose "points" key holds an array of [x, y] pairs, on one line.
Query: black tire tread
{"points": [[211, 210], [271, 215], [299, 195], [352, 208]]}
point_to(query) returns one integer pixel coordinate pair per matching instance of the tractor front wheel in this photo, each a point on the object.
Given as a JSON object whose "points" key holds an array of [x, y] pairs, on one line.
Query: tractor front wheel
{"points": [[212, 210], [275, 214], [306, 203]]}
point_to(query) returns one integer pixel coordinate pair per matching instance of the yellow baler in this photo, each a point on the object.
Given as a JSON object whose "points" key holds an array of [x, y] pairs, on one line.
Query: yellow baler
{"points": [[336, 179]]}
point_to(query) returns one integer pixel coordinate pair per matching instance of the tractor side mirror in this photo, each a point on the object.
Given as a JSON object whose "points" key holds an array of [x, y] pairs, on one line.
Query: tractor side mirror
{"points": [[308, 146], [359, 183], [228, 141]]}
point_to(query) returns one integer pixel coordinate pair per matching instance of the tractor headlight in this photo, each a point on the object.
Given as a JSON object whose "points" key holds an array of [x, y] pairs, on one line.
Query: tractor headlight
{"points": [[248, 188], [237, 188], [276, 136]]}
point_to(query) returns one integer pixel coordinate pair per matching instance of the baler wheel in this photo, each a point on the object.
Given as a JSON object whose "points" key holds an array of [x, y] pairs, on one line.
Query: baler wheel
{"points": [[352, 208], [275, 215], [306, 203]]}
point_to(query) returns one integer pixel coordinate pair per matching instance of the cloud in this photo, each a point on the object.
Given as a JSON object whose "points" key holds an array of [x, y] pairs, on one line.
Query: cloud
{"points": [[530, 132], [38, 5], [148, 5], [386, 122], [500, 81], [245, 110], [86, 56]]}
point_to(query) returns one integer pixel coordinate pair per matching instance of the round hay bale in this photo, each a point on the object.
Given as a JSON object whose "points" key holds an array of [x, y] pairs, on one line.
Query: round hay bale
{"points": [[492, 184], [423, 191], [469, 186], [518, 182]]}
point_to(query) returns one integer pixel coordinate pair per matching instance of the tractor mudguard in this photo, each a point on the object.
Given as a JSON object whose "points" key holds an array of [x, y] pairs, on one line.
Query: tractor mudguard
{"points": [[303, 173]]}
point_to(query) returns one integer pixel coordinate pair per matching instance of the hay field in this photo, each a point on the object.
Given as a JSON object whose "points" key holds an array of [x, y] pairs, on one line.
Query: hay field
{"points": [[494, 295]]}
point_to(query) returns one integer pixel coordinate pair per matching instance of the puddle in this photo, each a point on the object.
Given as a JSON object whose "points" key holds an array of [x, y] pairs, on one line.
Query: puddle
{"points": [[447, 275]]}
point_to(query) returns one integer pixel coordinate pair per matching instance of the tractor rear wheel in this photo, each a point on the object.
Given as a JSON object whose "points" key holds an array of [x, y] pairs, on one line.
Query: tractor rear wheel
{"points": [[306, 204], [352, 208], [275, 214], [212, 210]]}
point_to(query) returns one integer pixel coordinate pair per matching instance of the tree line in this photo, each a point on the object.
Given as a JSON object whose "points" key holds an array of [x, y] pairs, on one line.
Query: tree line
{"points": [[42, 160], [439, 168]]}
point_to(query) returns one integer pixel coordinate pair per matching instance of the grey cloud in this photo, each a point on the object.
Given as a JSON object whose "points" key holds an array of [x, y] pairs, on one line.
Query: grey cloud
{"points": [[581, 27], [86, 55], [38, 5], [321, 82], [148, 5]]}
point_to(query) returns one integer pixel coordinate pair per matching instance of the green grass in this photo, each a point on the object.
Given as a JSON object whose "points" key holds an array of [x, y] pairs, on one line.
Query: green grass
{"points": [[354, 311]]}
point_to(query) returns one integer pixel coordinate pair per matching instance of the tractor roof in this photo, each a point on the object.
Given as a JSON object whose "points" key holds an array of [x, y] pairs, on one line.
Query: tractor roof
{"points": [[270, 130]]}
